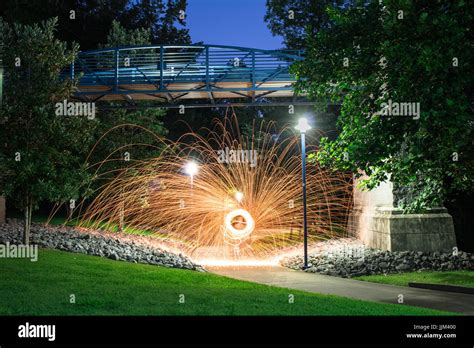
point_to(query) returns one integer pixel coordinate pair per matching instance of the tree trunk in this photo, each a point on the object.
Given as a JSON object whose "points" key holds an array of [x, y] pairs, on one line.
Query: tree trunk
{"points": [[121, 214], [121, 217], [27, 226], [69, 212]]}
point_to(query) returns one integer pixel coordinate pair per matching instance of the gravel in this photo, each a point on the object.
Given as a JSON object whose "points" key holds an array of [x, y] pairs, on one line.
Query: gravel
{"points": [[135, 249], [345, 257], [350, 258]]}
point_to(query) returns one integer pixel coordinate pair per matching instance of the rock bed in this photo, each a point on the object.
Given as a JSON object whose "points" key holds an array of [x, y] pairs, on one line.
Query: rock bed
{"points": [[350, 258], [136, 249]]}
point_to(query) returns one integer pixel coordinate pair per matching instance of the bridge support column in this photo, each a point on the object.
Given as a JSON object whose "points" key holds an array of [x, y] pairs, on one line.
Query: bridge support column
{"points": [[380, 225]]}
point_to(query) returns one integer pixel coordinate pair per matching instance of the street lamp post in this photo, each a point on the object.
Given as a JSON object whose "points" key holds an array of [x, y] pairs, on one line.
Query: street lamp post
{"points": [[303, 126]]}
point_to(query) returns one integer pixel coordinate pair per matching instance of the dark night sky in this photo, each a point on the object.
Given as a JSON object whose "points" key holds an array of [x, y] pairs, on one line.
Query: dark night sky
{"points": [[230, 22]]}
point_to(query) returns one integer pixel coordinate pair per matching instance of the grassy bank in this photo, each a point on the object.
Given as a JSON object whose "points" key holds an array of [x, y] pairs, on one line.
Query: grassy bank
{"points": [[106, 287], [464, 278]]}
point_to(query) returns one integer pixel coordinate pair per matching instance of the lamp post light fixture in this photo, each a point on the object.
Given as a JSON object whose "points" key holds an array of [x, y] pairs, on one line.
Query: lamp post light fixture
{"points": [[191, 169], [303, 127]]}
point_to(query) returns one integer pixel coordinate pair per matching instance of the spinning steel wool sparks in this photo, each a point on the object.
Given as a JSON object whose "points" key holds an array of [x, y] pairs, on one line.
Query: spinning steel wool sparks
{"points": [[232, 209]]}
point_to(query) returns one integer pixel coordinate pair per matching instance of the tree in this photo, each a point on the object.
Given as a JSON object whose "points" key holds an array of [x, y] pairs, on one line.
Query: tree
{"points": [[120, 36], [90, 21], [42, 152], [294, 19], [413, 54], [280, 116], [128, 136], [127, 130], [161, 17]]}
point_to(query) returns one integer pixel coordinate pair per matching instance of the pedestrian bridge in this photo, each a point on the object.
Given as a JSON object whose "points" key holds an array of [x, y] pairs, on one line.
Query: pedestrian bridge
{"points": [[172, 73]]}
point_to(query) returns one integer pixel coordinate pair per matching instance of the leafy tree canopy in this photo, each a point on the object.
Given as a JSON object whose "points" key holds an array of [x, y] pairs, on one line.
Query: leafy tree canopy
{"points": [[93, 18], [293, 19], [131, 131], [120, 36], [375, 55], [42, 152]]}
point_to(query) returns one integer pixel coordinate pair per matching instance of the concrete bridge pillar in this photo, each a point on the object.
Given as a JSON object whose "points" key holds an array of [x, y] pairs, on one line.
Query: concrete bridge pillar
{"points": [[380, 225]]}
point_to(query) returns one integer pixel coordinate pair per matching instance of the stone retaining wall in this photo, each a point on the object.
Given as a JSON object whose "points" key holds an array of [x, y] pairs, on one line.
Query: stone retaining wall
{"points": [[380, 225]]}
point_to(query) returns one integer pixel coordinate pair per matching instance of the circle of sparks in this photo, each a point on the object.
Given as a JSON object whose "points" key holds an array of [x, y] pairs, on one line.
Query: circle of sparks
{"points": [[240, 217], [156, 196]]}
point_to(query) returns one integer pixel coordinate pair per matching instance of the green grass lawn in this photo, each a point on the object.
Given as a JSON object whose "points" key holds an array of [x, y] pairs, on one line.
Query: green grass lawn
{"points": [[465, 278], [106, 287]]}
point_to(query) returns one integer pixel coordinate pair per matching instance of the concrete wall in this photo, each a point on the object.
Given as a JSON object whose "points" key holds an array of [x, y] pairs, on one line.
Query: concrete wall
{"points": [[379, 225]]}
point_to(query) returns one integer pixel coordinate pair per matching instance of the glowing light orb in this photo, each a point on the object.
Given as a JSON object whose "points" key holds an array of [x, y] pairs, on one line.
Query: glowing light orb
{"points": [[191, 168], [303, 125], [239, 196]]}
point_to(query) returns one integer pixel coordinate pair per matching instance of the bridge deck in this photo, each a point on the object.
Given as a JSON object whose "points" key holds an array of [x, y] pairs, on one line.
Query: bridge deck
{"points": [[177, 72]]}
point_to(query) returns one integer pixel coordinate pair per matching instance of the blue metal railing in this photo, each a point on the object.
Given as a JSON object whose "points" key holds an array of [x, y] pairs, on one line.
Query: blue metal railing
{"points": [[182, 69]]}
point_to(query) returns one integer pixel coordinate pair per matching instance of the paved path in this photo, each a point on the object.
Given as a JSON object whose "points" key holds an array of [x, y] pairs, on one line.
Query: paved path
{"points": [[311, 282]]}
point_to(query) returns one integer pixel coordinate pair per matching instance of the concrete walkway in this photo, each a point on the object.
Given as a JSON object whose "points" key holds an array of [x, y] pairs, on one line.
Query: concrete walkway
{"points": [[311, 282]]}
